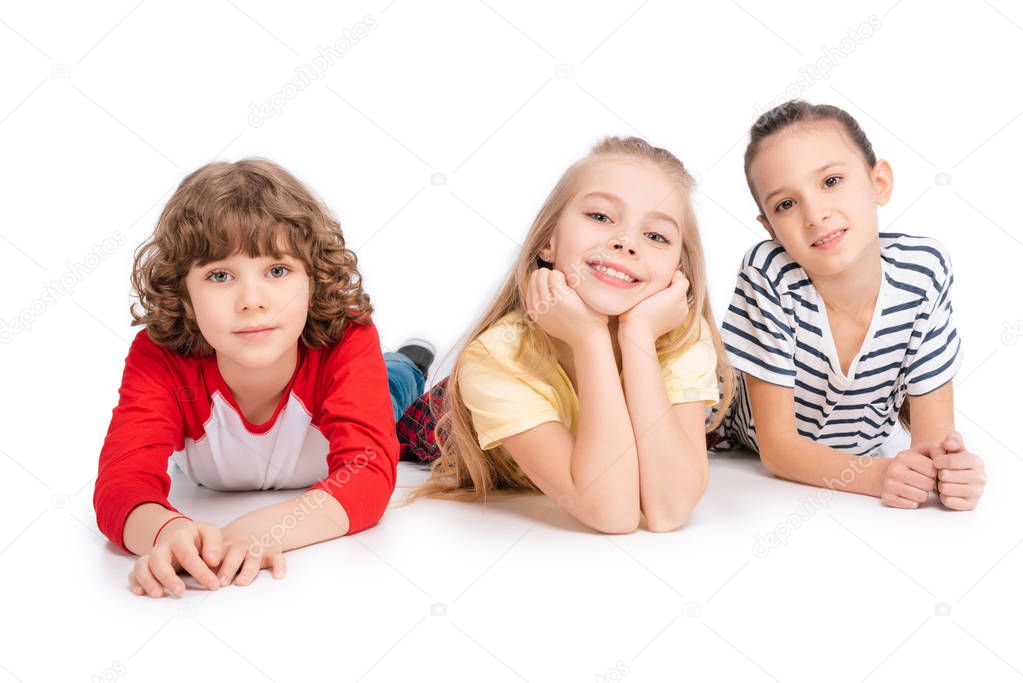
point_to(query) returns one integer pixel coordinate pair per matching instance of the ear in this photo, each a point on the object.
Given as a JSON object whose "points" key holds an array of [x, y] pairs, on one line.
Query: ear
{"points": [[547, 252], [883, 180], [762, 219]]}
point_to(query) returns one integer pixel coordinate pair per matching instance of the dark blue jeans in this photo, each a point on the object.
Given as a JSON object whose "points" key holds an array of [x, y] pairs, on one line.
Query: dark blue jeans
{"points": [[404, 380]]}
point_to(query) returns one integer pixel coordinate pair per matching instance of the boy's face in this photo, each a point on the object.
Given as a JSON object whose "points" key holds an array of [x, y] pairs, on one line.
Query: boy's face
{"points": [[818, 195], [250, 310], [625, 202]]}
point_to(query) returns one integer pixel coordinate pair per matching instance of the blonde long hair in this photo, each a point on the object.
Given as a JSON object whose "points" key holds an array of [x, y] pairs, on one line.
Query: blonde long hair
{"points": [[464, 471]]}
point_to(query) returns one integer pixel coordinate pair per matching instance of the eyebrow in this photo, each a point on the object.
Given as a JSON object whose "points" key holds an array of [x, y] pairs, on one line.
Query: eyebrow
{"points": [[659, 215], [812, 173]]}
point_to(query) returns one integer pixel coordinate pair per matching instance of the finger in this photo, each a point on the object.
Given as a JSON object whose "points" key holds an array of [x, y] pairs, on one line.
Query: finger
{"points": [[960, 490], [211, 540], [963, 460], [919, 481], [912, 493], [547, 286], [957, 503], [188, 558], [559, 286], [929, 449], [250, 569], [232, 562], [279, 569], [953, 442], [899, 502], [921, 464], [133, 584], [957, 476], [533, 292], [160, 566], [144, 575]]}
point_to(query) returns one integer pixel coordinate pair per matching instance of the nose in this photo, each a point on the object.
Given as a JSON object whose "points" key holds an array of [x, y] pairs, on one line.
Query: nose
{"points": [[815, 213], [618, 245], [251, 295]]}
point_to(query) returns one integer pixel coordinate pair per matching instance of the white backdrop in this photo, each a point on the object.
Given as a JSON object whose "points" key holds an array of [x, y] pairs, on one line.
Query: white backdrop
{"points": [[434, 133]]}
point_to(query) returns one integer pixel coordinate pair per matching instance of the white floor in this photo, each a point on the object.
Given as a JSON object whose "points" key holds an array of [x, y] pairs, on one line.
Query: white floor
{"points": [[770, 580], [435, 140]]}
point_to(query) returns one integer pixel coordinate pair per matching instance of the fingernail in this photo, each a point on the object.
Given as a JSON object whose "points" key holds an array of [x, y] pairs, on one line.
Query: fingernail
{"points": [[223, 580]]}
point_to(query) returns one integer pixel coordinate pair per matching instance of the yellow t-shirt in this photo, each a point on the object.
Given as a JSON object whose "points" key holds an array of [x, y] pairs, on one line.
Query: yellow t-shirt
{"points": [[507, 397]]}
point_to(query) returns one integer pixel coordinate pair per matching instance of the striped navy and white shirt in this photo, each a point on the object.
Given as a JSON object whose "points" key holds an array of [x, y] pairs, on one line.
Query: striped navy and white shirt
{"points": [[776, 329]]}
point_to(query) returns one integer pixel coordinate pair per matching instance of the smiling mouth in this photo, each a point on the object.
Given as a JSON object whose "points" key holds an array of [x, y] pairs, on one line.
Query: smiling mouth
{"points": [[612, 273], [829, 238]]}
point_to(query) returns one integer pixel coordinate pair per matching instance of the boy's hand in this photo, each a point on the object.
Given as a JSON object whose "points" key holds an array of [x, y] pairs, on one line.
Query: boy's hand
{"points": [[961, 476], [182, 544], [659, 313], [247, 550], [908, 481]]}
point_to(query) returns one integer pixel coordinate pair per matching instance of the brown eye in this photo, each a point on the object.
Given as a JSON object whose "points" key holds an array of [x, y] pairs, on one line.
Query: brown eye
{"points": [[832, 180]]}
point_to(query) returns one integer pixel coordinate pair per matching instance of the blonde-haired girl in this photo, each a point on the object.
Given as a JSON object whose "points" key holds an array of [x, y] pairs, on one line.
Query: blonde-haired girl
{"points": [[588, 377]]}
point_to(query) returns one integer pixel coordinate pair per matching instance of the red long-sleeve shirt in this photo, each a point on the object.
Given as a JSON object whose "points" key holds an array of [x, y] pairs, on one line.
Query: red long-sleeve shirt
{"points": [[332, 430]]}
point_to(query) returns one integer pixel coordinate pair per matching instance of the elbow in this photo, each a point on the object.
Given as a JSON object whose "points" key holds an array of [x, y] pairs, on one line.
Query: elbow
{"points": [[616, 525], [612, 520], [673, 517], [674, 510], [772, 457]]}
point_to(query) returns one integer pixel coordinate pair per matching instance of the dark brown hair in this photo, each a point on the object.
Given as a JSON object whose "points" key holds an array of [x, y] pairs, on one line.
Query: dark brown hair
{"points": [[252, 207], [800, 111]]}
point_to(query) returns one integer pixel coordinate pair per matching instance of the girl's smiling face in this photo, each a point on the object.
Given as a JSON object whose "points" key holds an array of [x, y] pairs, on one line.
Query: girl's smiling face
{"points": [[818, 196], [619, 239], [252, 311]]}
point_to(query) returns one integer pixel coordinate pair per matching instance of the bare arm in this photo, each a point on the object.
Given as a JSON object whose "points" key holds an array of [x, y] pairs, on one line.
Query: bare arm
{"points": [[595, 475], [787, 454], [310, 518], [672, 452], [932, 415]]}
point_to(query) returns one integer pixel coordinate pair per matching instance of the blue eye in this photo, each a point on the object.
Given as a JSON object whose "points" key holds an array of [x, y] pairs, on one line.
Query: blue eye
{"points": [[663, 239], [599, 217], [280, 267], [213, 276]]}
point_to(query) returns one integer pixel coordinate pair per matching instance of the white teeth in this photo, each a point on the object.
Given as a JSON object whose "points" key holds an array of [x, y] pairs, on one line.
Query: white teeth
{"points": [[612, 272], [830, 237]]}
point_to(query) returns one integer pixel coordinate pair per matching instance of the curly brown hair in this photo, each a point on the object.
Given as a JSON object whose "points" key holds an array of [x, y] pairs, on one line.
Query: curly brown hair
{"points": [[254, 207]]}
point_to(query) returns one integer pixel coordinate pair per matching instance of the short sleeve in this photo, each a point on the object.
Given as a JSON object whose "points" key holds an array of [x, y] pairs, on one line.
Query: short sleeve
{"points": [[936, 350], [692, 375], [758, 334], [501, 396]]}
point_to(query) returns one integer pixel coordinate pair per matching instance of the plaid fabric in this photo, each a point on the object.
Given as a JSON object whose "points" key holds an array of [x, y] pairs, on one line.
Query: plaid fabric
{"points": [[416, 427]]}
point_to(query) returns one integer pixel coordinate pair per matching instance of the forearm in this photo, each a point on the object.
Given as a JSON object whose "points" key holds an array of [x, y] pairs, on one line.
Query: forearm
{"points": [[604, 467], [932, 416], [310, 518], [673, 468], [142, 524], [798, 458]]}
